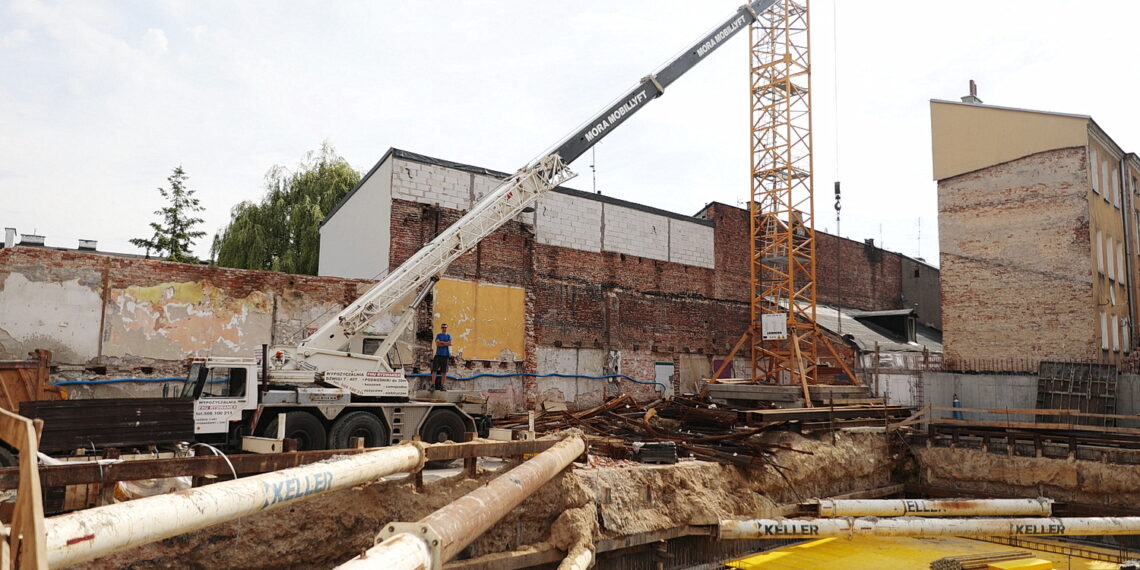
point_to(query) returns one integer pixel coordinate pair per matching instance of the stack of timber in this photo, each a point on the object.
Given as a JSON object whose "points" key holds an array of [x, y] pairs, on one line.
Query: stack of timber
{"points": [[696, 429], [746, 394], [978, 561]]}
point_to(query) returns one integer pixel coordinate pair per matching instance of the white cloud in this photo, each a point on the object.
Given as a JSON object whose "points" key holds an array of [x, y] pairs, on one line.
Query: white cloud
{"points": [[154, 42], [15, 38]]}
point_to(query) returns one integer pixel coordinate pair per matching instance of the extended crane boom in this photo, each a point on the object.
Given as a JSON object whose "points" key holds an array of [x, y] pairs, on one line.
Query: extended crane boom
{"points": [[325, 348]]}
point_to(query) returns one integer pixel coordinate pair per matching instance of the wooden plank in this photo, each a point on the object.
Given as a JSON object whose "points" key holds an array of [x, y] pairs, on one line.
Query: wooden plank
{"points": [[1038, 426], [27, 543], [1036, 412], [246, 464]]}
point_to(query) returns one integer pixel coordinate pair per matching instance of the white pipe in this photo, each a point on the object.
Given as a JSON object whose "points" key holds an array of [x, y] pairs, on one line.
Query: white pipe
{"points": [[1040, 507], [404, 550], [912, 526], [579, 558], [450, 529], [86, 535]]}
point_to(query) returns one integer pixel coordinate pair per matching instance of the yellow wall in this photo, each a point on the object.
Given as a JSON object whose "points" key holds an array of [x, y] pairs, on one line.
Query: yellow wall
{"points": [[971, 137], [486, 321]]}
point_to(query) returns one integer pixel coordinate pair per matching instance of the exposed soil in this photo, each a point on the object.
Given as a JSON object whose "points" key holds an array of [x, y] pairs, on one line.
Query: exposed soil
{"points": [[998, 475], [575, 509]]}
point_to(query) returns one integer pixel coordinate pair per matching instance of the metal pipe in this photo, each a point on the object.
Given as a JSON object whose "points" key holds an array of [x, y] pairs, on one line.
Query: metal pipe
{"points": [[579, 558], [86, 535], [830, 508], [912, 526], [450, 529], [401, 550]]}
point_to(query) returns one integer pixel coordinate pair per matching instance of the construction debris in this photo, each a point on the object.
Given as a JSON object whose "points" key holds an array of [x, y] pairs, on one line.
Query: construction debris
{"points": [[978, 561]]}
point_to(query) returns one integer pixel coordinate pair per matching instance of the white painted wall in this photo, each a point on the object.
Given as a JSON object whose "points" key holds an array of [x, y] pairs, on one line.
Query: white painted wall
{"points": [[359, 233], [355, 242], [635, 233], [563, 220], [62, 317]]}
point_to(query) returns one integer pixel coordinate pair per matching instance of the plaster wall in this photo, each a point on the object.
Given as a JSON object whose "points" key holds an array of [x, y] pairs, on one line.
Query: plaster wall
{"points": [[346, 251]]}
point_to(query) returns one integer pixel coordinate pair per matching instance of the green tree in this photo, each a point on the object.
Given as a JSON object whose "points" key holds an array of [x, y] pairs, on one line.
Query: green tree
{"points": [[175, 235], [282, 232]]}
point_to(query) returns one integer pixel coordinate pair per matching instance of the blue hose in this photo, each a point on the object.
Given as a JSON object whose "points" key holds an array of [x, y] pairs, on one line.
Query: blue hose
{"points": [[462, 379], [555, 374]]}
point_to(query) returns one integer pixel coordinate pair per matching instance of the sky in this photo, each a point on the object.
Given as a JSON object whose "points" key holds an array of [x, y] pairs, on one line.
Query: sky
{"points": [[101, 100]]}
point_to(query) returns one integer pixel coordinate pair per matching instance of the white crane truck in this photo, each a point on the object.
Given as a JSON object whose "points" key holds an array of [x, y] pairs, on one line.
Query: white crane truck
{"points": [[328, 394]]}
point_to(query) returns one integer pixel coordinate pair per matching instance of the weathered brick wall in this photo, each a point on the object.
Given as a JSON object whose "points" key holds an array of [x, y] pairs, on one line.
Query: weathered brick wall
{"points": [[858, 275], [1015, 260], [123, 314]]}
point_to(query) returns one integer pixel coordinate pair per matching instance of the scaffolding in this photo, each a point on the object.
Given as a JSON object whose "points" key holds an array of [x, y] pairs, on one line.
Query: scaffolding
{"points": [[784, 336]]}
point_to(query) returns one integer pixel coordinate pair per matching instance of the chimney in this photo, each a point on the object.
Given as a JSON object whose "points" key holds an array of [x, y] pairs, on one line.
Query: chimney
{"points": [[972, 98], [28, 239], [9, 237], [87, 244]]}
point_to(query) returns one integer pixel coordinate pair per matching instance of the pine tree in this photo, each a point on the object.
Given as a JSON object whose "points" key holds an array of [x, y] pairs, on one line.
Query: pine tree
{"points": [[175, 234]]}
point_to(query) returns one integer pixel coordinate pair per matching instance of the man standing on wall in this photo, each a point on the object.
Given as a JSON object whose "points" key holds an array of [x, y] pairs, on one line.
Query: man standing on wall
{"points": [[442, 354]]}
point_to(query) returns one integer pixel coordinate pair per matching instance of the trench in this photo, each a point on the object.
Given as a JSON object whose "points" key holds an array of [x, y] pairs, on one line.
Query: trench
{"points": [[649, 516]]}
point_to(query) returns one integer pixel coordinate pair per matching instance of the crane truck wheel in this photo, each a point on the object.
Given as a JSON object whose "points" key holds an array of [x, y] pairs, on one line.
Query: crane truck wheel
{"points": [[301, 426], [440, 426], [358, 424]]}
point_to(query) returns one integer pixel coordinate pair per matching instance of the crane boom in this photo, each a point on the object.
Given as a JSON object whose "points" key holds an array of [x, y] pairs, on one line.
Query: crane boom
{"points": [[501, 205]]}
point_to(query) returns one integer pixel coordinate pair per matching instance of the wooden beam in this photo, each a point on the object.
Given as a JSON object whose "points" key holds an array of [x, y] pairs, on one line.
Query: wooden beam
{"points": [[246, 464]]}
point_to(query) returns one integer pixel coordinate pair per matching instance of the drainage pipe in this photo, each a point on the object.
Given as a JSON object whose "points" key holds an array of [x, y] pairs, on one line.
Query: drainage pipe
{"points": [[579, 558], [86, 535], [1039, 507], [450, 529], [913, 526]]}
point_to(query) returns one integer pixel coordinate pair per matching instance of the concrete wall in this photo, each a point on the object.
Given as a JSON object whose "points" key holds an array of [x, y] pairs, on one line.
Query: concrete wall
{"points": [[987, 391], [346, 250], [922, 291], [1017, 280]]}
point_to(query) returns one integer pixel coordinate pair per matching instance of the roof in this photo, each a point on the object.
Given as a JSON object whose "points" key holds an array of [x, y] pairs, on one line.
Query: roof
{"points": [[857, 328], [424, 159]]}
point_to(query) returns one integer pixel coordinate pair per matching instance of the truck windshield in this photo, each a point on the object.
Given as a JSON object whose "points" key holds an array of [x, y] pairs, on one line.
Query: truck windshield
{"points": [[194, 380]]}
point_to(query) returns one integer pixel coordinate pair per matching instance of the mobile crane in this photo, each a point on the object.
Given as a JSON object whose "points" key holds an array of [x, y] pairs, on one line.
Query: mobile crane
{"points": [[329, 394]]}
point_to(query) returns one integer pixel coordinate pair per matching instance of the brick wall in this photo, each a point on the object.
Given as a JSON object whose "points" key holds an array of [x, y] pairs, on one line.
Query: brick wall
{"points": [[132, 314], [1015, 260]]}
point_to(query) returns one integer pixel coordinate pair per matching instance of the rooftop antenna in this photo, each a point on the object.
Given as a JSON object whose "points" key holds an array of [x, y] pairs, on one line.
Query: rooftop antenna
{"points": [[594, 168]]}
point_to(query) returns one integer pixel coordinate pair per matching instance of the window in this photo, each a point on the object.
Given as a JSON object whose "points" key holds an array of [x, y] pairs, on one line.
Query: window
{"points": [[1115, 190], [225, 383], [1100, 252], [1104, 180], [1093, 165], [1121, 273], [1108, 249], [1115, 334], [1103, 331]]}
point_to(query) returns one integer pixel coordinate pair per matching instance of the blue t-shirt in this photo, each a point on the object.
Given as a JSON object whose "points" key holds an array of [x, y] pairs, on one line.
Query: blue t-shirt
{"points": [[443, 350]]}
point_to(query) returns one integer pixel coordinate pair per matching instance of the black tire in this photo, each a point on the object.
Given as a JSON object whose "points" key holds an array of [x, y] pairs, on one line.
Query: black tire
{"points": [[358, 424], [301, 426], [442, 425], [8, 458]]}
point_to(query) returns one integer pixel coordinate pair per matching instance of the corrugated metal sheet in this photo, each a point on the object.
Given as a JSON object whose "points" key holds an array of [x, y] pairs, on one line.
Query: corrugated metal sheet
{"points": [[118, 422]]}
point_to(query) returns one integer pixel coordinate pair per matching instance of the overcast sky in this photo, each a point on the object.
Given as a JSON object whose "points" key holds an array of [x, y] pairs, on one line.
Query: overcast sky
{"points": [[100, 100]]}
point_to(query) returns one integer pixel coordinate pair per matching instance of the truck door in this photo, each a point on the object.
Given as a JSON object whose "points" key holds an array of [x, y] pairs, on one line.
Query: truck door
{"points": [[222, 393]]}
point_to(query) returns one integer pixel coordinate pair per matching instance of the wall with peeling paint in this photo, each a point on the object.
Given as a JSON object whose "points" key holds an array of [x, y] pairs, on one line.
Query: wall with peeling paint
{"points": [[38, 312], [485, 320], [172, 321], [120, 316]]}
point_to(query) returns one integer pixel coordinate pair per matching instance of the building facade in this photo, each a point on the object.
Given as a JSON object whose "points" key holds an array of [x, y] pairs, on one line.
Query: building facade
{"points": [[1037, 230]]}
